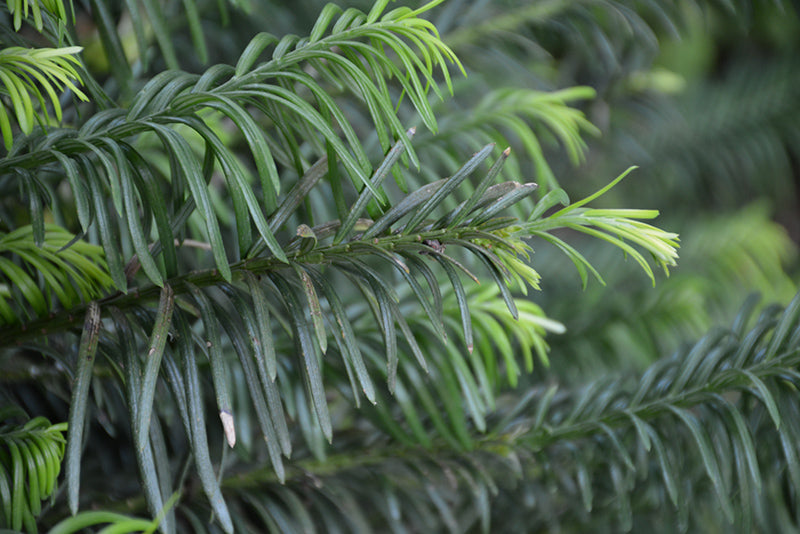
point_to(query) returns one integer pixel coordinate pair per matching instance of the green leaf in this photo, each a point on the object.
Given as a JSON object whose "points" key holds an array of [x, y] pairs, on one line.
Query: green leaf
{"points": [[496, 269], [271, 420], [786, 324], [261, 309], [323, 21], [254, 49], [433, 312], [133, 218], [144, 455], [461, 298], [79, 402], [265, 165], [5, 129], [308, 355], [150, 190], [32, 188], [191, 171], [416, 265], [199, 441], [617, 445], [462, 212], [387, 314], [314, 307], [602, 191], [367, 193], [585, 485], [743, 441], [695, 358], [25, 284], [161, 32], [581, 263], [296, 195], [349, 343], [19, 507], [408, 204], [556, 196], [259, 358], [178, 388], [155, 352], [104, 220], [475, 405], [763, 393], [667, 468], [449, 186], [158, 92], [519, 192], [87, 519], [709, 458]]}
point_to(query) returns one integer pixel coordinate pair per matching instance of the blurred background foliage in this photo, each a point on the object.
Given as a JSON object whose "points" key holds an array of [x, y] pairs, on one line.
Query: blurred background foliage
{"points": [[711, 119], [702, 95]]}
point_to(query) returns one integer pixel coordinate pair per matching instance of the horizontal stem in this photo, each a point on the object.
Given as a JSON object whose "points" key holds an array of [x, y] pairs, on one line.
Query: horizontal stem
{"points": [[72, 319]]}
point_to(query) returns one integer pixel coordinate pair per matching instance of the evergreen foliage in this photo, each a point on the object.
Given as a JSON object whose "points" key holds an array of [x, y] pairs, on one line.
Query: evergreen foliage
{"points": [[268, 267]]}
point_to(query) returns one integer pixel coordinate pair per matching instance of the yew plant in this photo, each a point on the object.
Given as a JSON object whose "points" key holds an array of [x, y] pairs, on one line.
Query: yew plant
{"points": [[258, 282]]}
